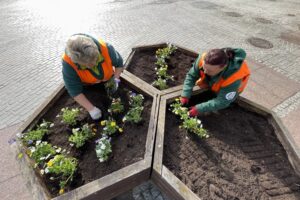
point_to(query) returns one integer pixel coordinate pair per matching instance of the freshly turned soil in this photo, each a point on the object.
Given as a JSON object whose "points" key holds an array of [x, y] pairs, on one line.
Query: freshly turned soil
{"points": [[128, 147], [242, 159], [143, 65]]}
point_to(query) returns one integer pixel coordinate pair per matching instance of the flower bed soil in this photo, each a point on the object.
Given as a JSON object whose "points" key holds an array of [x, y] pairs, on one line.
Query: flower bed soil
{"points": [[143, 65], [242, 159], [128, 147]]}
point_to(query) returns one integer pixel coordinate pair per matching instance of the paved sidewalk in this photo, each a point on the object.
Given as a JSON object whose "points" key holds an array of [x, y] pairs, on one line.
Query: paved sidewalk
{"points": [[33, 35]]}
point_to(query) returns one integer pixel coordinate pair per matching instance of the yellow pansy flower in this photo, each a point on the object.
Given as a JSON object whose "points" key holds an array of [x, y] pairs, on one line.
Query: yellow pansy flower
{"points": [[61, 191], [50, 163], [113, 124], [120, 130], [103, 122]]}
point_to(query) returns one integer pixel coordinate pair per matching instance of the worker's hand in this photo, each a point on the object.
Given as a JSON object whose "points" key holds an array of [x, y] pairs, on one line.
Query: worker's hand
{"points": [[193, 112], [117, 82], [95, 113], [184, 101]]}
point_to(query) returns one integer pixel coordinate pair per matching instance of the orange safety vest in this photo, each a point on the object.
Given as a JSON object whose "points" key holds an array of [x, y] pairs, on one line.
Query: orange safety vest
{"points": [[242, 74], [85, 75]]}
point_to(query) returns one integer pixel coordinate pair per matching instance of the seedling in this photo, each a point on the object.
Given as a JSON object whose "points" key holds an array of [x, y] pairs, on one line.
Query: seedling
{"points": [[69, 115]]}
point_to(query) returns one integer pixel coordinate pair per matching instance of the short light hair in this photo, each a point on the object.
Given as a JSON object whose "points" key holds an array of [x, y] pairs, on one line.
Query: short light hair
{"points": [[81, 49]]}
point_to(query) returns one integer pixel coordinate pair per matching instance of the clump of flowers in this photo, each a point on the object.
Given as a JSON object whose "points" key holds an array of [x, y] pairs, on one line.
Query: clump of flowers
{"points": [[103, 148], [110, 127], [41, 152], [63, 167], [69, 115], [161, 70], [191, 124], [36, 134], [80, 136], [134, 114], [110, 87], [116, 106]]}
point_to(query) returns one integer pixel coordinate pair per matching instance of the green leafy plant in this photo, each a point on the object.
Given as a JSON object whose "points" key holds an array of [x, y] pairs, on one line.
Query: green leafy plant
{"points": [[41, 152], [110, 87], [134, 114], [116, 106], [69, 115], [64, 167], [191, 124], [110, 127], [162, 67], [80, 136], [37, 134], [103, 148]]}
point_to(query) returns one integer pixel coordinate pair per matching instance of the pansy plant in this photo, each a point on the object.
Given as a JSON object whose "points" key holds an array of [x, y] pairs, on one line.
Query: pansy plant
{"points": [[116, 106], [191, 124], [103, 148], [69, 116], [80, 136], [110, 127]]}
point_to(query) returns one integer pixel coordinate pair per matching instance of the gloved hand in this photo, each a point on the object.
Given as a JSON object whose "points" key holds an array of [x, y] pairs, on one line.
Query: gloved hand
{"points": [[193, 112], [117, 82], [184, 100], [95, 113]]}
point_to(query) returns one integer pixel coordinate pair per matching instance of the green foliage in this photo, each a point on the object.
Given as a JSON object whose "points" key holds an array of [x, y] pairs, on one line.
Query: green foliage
{"points": [[62, 166], [162, 67], [69, 115], [41, 152], [134, 114], [110, 86], [79, 137], [191, 124], [103, 148], [110, 127], [36, 134], [116, 106]]}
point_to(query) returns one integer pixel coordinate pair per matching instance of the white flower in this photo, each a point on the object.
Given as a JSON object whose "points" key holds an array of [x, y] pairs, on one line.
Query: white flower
{"points": [[42, 171], [19, 135], [42, 158], [47, 170], [198, 121], [103, 146], [57, 116], [38, 142], [71, 144], [58, 150], [101, 159], [98, 151], [51, 125]]}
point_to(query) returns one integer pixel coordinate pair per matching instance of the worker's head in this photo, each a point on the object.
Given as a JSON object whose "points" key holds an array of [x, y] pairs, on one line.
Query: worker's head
{"points": [[216, 60], [82, 50]]}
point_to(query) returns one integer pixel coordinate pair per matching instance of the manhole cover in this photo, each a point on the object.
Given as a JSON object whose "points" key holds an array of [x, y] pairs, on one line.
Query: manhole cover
{"points": [[233, 14], [291, 15], [263, 20], [260, 43]]}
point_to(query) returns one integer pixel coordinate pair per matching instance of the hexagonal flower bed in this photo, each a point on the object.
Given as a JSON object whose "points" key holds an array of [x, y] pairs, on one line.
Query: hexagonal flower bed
{"points": [[163, 66], [241, 159], [74, 157]]}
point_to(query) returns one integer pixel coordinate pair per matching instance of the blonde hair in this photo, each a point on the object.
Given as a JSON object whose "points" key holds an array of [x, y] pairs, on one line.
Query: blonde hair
{"points": [[81, 49]]}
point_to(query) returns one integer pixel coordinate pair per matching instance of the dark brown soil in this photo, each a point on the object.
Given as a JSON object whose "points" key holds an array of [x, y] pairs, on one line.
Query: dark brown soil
{"points": [[128, 147], [242, 159], [143, 65]]}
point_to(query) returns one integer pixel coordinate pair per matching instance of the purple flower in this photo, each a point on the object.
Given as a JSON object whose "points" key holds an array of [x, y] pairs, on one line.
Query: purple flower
{"points": [[29, 142], [132, 94]]}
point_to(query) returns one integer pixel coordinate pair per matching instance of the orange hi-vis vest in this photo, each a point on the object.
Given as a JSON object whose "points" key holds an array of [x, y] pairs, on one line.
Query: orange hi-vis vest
{"points": [[85, 75], [241, 74]]}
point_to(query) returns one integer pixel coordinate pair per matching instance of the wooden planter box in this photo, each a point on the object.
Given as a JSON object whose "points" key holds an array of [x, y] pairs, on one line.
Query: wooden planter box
{"points": [[154, 47], [108, 186], [172, 185]]}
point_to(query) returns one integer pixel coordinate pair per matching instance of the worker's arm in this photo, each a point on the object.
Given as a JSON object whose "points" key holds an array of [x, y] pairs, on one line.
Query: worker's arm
{"points": [[117, 60], [225, 96], [191, 77]]}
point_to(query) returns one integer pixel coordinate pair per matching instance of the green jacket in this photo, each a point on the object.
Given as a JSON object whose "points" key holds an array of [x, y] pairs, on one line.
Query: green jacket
{"points": [[226, 95], [72, 81]]}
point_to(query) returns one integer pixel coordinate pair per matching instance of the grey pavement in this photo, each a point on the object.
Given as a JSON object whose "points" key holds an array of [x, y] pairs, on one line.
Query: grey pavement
{"points": [[33, 34]]}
